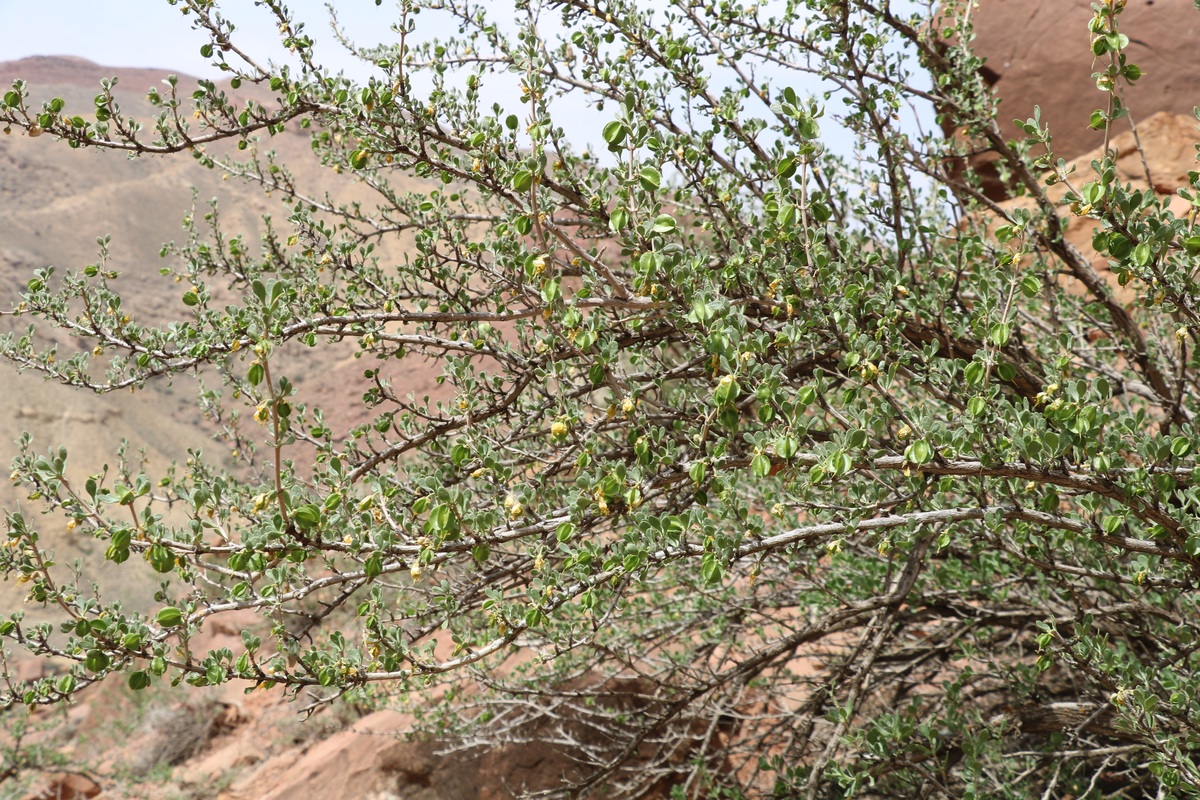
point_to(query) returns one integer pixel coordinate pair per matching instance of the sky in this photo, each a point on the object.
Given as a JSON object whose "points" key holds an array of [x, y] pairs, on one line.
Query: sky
{"points": [[154, 34], [151, 33]]}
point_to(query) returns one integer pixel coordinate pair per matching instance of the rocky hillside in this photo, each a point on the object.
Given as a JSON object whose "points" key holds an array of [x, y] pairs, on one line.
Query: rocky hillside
{"points": [[54, 204], [1038, 53]]}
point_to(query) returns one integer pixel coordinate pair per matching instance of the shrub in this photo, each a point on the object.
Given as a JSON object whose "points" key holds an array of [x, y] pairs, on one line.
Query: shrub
{"points": [[865, 484]]}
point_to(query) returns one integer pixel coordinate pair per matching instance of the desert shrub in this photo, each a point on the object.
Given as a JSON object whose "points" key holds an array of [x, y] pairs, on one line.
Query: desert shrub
{"points": [[866, 484]]}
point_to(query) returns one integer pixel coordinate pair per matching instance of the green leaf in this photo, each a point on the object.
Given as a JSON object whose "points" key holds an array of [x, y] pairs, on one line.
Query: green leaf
{"points": [[170, 617], [919, 452], [1143, 255], [307, 516], [373, 567], [255, 374], [787, 446], [358, 159], [522, 180], [663, 223], [999, 334], [974, 372], [650, 178], [727, 391], [760, 466], [614, 133], [618, 219], [96, 661], [711, 569]]}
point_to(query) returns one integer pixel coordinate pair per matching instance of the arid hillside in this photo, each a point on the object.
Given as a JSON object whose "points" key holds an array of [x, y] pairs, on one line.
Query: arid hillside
{"points": [[56, 202]]}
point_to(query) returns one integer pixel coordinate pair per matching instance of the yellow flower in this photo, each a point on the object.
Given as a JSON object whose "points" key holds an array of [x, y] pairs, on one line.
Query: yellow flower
{"points": [[415, 571], [558, 429], [628, 404]]}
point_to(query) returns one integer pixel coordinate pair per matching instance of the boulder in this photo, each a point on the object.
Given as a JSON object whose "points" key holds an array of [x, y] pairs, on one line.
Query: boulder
{"points": [[1038, 53], [66, 786]]}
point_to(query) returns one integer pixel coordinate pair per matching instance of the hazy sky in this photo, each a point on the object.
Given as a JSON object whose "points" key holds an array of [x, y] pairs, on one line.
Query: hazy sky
{"points": [[151, 33]]}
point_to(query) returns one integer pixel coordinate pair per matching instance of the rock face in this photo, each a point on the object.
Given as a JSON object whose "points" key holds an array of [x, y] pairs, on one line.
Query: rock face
{"points": [[1038, 53], [1168, 140]]}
